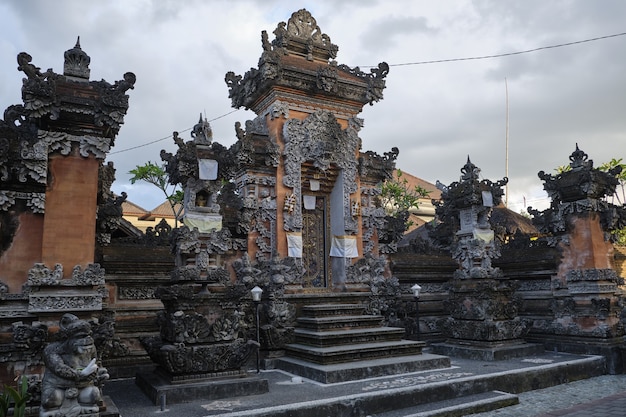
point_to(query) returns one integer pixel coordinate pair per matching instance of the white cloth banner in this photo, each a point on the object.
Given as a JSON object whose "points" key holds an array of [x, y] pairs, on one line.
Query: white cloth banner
{"points": [[309, 202], [314, 185], [294, 244], [204, 223], [486, 235], [344, 247], [207, 169], [487, 199]]}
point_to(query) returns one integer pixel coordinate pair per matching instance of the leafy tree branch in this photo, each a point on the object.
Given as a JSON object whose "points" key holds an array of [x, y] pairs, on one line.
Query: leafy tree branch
{"points": [[156, 175]]}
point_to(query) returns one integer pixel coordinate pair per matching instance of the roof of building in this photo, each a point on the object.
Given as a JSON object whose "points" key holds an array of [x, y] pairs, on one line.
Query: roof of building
{"points": [[163, 210], [128, 207]]}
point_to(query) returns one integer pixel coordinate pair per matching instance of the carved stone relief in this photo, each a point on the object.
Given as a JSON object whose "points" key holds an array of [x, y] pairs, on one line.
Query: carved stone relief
{"points": [[319, 139]]}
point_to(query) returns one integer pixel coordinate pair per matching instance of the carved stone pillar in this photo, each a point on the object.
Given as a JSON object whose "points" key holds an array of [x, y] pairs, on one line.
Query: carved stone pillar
{"points": [[588, 292]]}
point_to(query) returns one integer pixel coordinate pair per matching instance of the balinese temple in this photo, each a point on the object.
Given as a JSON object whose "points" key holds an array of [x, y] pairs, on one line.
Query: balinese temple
{"points": [[292, 209]]}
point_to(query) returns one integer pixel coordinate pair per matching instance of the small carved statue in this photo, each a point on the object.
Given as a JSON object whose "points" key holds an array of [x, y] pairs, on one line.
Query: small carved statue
{"points": [[70, 386]]}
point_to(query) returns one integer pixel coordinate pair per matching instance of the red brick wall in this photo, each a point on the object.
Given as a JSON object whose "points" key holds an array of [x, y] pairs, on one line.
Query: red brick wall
{"points": [[24, 251], [70, 219]]}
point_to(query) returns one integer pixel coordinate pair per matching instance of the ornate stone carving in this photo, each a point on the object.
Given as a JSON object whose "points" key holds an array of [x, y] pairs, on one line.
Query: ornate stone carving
{"points": [[579, 190], [76, 62], [40, 274], [319, 139], [211, 360], [386, 294], [136, 293], [72, 381], [39, 303], [93, 274], [108, 345], [30, 337], [302, 37], [278, 109], [327, 79]]}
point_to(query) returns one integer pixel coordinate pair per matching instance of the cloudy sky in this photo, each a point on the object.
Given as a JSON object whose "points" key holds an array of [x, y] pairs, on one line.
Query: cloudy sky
{"points": [[435, 113]]}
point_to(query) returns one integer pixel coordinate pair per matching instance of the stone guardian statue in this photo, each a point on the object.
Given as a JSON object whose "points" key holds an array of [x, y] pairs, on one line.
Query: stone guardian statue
{"points": [[70, 386]]}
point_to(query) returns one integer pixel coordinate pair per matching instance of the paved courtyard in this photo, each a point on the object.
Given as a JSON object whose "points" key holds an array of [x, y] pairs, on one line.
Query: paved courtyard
{"points": [[600, 396]]}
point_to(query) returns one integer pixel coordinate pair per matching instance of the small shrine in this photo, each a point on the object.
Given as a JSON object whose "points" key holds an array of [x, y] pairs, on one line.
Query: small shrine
{"points": [[484, 320], [206, 329]]}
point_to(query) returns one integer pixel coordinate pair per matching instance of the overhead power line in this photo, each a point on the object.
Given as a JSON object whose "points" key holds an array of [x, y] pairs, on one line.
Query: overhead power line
{"points": [[413, 63], [169, 136], [508, 53]]}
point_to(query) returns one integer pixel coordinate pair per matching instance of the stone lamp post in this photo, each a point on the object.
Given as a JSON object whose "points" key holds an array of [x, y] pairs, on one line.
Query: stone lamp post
{"points": [[256, 298], [416, 295]]}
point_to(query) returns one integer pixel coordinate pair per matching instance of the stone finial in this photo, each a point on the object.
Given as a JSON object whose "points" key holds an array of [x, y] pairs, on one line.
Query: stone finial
{"points": [[302, 35], [580, 160], [469, 172], [76, 63], [202, 133]]}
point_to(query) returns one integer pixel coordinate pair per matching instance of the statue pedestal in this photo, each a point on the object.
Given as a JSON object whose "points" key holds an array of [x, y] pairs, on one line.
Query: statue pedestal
{"points": [[156, 385]]}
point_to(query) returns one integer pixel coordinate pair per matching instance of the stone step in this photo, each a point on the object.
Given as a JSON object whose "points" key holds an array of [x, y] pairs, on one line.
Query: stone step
{"points": [[347, 337], [334, 309], [354, 352], [459, 406], [360, 370], [339, 322], [438, 398]]}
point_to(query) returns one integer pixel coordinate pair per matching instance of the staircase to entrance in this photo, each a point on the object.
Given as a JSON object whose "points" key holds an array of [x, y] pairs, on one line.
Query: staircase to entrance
{"points": [[336, 341]]}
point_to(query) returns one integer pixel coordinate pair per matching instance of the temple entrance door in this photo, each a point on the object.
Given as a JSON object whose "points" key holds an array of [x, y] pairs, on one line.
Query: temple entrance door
{"points": [[315, 232]]}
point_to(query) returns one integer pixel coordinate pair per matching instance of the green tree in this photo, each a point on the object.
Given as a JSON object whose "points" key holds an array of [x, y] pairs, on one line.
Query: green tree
{"points": [[620, 193], [397, 196], [156, 175], [615, 165]]}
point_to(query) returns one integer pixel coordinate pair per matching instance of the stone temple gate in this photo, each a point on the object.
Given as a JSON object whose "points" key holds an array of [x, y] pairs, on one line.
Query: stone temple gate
{"points": [[324, 188]]}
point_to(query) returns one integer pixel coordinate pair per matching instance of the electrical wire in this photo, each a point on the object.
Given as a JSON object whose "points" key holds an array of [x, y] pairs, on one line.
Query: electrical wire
{"points": [[416, 63], [508, 53], [169, 136]]}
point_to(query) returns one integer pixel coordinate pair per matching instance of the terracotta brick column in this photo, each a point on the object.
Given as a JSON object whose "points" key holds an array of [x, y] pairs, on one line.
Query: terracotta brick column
{"points": [[70, 220]]}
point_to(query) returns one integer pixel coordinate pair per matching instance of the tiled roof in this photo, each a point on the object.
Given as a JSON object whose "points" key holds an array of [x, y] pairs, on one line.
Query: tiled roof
{"points": [[130, 208], [164, 210]]}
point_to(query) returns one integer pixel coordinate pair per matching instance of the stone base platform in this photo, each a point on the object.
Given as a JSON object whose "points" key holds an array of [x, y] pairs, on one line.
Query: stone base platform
{"points": [[358, 370], [464, 388], [155, 386], [486, 352]]}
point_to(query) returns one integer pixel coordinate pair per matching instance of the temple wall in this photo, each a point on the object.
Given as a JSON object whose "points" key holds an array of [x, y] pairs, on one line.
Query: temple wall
{"points": [[133, 272], [24, 251], [532, 268]]}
